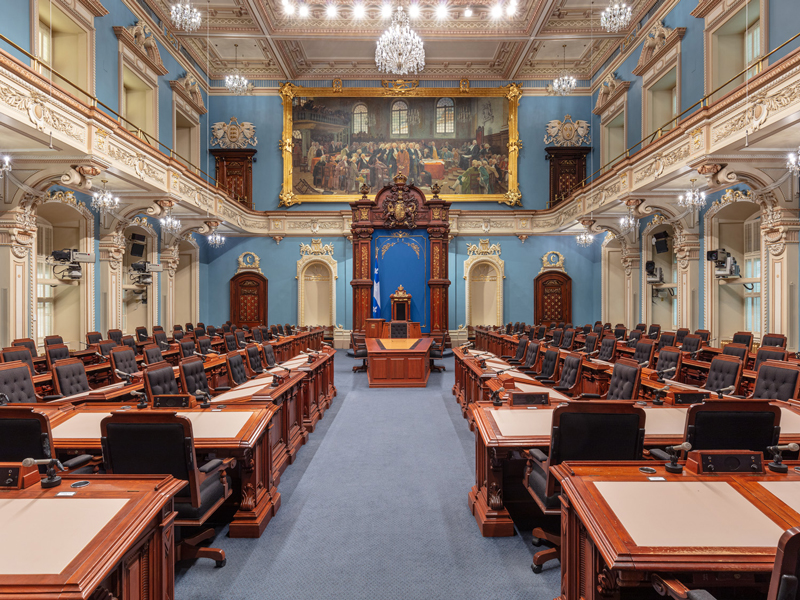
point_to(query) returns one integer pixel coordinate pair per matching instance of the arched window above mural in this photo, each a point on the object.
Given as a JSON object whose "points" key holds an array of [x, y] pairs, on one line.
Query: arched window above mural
{"points": [[445, 115], [360, 119], [399, 118]]}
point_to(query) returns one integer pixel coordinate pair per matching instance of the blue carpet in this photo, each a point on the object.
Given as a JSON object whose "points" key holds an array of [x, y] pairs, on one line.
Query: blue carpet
{"points": [[375, 507]]}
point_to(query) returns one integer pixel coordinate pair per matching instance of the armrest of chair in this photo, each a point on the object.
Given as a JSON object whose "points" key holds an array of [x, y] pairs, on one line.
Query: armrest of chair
{"points": [[589, 397], [506, 357], [538, 455], [211, 465], [672, 588], [561, 388], [52, 397], [216, 466], [514, 361], [659, 454], [77, 461], [220, 389], [544, 380]]}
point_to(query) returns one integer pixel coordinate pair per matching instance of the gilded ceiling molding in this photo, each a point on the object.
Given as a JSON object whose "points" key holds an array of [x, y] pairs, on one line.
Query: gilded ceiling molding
{"points": [[140, 39], [658, 41]]}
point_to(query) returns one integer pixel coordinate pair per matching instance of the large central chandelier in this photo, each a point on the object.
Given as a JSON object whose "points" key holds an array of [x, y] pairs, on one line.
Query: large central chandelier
{"points": [[693, 198], [565, 83], [616, 17], [185, 17], [235, 81], [399, 49], [103, 201], [628, 223]]}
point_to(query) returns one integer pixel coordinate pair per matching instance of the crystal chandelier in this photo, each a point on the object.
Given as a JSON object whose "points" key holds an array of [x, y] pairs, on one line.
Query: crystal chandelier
{"points": [[169, 223], [235, 81], [692, 198], [103, 202], [185, 17], [793, 164], [628, 223], [616, 17], [565, 83], [585, 238], [399, 49], [215, 240], [5, 167]]}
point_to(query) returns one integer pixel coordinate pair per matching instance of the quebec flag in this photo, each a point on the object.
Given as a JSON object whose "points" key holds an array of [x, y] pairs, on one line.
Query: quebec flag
{"points": [[376, 295]]}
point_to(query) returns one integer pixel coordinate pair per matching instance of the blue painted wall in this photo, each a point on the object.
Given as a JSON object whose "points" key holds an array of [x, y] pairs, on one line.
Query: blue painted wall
{"points": [[16, 26]]}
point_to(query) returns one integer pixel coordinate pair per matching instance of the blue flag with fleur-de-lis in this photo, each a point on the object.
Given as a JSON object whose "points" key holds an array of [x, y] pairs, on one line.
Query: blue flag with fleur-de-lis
{"points": [[376, 294]]}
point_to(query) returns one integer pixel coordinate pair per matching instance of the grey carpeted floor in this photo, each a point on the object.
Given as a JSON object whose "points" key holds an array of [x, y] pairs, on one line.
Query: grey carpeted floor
{"points": [[375, 507]]}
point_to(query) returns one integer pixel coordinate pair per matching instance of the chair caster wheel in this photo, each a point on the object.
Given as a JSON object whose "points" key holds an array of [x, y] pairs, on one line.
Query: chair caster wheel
{"points": [[224, 561], [536, 568], [536, 542]]}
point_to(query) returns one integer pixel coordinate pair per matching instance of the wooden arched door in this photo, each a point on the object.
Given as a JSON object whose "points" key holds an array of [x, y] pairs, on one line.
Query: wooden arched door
{"points": [[249, 299], [552, 293]]}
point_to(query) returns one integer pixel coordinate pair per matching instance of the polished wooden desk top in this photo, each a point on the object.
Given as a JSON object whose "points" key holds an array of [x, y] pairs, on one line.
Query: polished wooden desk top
{"points": [[65, 546], [721, 522], [399, 345]]}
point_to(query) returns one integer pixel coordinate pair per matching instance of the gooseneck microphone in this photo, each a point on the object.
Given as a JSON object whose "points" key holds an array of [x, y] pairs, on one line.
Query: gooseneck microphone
{"points": [[725, 390], [206, 396], [142, 399], [674, 452], [126, 376], [4, 399], [102, 357], [52, 480], [777, 465]]}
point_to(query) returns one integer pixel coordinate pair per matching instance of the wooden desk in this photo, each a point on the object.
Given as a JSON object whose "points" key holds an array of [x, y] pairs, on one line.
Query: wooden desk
{"points": [[401, 362], [714, 530], [239, 431], [113, 538], [413, 330]]}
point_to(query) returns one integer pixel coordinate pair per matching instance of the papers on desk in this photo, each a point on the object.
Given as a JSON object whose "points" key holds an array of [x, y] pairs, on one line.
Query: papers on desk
{"points": [[37, 542]]}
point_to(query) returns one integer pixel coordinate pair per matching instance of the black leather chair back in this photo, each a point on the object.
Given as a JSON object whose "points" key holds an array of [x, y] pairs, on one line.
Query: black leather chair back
{"points": [[591, 342], [568, 326], [236, 368], [178, 327], [653, 332], [768, 353], [558, 334], [775, 383], [607, 346], [187, 349], [641, 327], [773, 339], [666, 339], [596, 431], [691, 343], [680, 334], [398, 330], [177, 335], [189, 327], [161, 380], [619, 333], [93, 337], [722, 373], [624, 381], [254, 358], [643, 352], [230, 342], [106, 347], [141, 334], [193, 376], [540, 332], [740, 351], [735, 428], [743, 337], [22, 437], [587, 328], [16, 383], [550, 362], [531, 355], [57, 353], [523, 343], [704, 334], [29, 344], [53, 340], [160, 339], [269, 355], [668, 359], [561, 325], [226, 328], [598, 328], [124, 359], [569, 371], [634, 336], [569, 336], [152, 355], [257, 337], [240, 342], [233, 328], [211, 331], [129, 342], [71, 378], [18, 353], [203, 345], [199, 331]]}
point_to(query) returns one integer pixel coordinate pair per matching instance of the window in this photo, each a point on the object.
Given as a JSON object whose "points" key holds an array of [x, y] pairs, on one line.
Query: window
{"points": [[445, 115], [63, 46], [44, 292], [736, 44], [752, 269], [187, 139], [360, 119], [662, 103], [399, 118], [613, 144], [137, 103]]}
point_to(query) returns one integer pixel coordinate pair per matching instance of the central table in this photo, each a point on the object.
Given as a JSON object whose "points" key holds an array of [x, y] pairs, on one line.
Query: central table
{"points": [[399, 362]]}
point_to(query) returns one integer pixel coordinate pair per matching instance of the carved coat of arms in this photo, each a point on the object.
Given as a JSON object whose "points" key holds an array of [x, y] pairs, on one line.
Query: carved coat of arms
{"points": [[233, 135], [567, 132], [400, 210]]}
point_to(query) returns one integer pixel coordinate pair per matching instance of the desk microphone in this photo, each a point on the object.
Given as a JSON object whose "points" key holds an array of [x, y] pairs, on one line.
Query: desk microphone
{"points": [[660, 395], [777, 456], [85, 344], [126, 376], [589, 355], [164, 344], [663, 371], [276, 377], [52, 480], [142, 399], [644, 364], [202, 356], [4, 399], [101, 357], [674, 451], [207, 398], [725, 390]]}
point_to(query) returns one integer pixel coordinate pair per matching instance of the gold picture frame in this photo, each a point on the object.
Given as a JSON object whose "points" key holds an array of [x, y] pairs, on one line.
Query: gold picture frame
{"points": [[399, 89]]}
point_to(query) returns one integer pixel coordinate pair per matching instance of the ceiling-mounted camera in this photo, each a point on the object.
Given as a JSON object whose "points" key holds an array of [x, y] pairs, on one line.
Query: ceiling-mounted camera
{"points": [[724, 264], [654, 274], [141, 272], [66, 263]]}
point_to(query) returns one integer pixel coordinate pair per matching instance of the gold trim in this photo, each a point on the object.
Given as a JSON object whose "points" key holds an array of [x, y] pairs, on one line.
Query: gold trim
{"points": [[402, 88]]}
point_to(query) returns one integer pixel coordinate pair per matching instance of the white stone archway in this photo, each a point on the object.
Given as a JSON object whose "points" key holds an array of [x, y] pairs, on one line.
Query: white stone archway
{"points": [[484, 272], [317, 273]]}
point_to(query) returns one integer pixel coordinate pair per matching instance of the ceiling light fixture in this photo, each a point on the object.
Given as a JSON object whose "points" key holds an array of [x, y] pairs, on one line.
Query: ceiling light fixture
{"points": [[185, 17], [565, 83], [497, 11], [616, 17], [400, 50], [5, 167], [358, 11], [289, 8], [629, 222], [303, 11], [585, 238], [215, 240], [169, 223], [693, 198], [468, 12], [511, 9], [386, 11], [441, 11], [235, 81], [103, 201], [792, 163], [331, 11], [413, 11]]}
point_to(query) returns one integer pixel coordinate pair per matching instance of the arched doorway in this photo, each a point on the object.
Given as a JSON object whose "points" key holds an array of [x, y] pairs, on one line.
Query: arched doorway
{"points": [[249, 299], [316, 295], [552, 293]]}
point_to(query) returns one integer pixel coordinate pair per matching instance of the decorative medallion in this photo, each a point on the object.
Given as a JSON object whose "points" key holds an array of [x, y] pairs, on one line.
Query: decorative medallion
{"points": [[316, 249], [400, 210], [567, 132], [553, 261], [233, 135], [400, 292], [249, 261], [483, 249]]}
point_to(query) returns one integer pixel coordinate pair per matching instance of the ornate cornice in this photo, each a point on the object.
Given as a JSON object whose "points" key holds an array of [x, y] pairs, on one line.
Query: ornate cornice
{"points": [[188, 88], [610, 90], [140, 39], [659, 40]]}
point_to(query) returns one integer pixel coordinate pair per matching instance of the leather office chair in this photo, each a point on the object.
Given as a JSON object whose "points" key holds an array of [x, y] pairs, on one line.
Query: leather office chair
{"points": [[53, 340], [55, 353], [189, 327], [581, 431], [531, 354], [177, 334], [740, 351], [680, 334], [608, 347], [106, 346], [743, 337], [123, 359], [724, 372], [240, 341], [27, 343], [569, 382], [233, 328], [160, 340], [773, 339], [520, 353], [127, 340], [162, 389], [257, 337], [568, 340], [152, 354], [667, 339], [177, 326], [568, 326], [211, 331], [199, 325], [18, 353], [237, 371], [359, 345], [226, 328], [633, 337], [549, 370], [254, 359], [704, 334], [204, 346], [654, 332], [540, 331], [69, 378], [643, 355], [280, 329], [25, 433], [607, 326], [776, 380], [193, 378], [230, 342], [624, 383], [93, 337], [163, 442], [598, 328], [620, 331], [187, 348], [199, 331], [157, 328], [288, 329], [587, 328], [140, 334], [437, 353], [17, 384], [669, 362], [766, 353], [269, 355], [398, 330], [558, 335], [266, 334], [590, 343], [691, 344], [641, 327]]}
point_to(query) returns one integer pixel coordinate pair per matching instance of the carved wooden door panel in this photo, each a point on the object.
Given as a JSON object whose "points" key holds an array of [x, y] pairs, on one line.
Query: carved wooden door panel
{"points": [[249, 299], [552, 293]]}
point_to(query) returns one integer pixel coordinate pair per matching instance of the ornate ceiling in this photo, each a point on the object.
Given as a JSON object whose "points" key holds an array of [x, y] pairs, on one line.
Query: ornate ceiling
{"points": [[526, 45]]}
